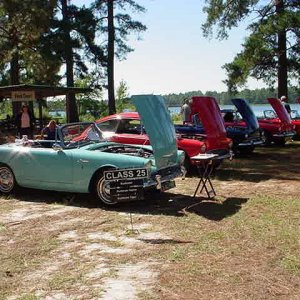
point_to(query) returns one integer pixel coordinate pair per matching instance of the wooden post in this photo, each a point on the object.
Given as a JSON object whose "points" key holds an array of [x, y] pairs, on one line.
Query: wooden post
{"points": [[40, 113]]}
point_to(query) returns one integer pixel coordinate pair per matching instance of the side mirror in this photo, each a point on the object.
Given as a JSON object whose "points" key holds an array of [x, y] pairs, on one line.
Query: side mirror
{"points": [[57, 147]]}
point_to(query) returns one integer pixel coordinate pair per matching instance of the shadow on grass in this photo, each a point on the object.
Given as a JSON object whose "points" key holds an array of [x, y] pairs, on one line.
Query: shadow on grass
{"points": [[282, 163], [217, 211], [167, 204], [180, 205]]}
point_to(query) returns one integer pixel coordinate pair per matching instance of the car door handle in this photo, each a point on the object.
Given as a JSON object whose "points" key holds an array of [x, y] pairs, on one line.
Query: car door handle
{"points": [[84, 161]]}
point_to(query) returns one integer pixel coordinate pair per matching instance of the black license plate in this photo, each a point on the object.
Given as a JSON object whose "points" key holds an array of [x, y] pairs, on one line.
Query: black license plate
{"points": [[125, 174]]}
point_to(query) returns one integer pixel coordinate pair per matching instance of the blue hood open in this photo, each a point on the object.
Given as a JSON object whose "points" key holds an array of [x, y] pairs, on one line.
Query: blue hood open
{"points": [[159, 127], [247, 113]]}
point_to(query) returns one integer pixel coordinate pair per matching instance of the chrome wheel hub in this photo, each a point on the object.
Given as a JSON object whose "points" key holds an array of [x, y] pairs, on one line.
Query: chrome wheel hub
{"points": [[6, 180]]}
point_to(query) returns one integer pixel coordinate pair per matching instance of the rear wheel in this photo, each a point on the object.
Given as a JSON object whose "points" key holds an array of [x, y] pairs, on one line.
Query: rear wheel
{"points": [[102, 190], [7, 180]]}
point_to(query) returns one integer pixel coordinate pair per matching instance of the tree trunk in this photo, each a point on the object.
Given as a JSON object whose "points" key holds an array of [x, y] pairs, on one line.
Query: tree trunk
{"points": [[14, 65], [282, 55], [110, 62], [71, 108], [14, 80]]}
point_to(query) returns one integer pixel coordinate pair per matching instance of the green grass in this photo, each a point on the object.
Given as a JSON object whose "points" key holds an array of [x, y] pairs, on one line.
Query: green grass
{"points": [[244, 246]]}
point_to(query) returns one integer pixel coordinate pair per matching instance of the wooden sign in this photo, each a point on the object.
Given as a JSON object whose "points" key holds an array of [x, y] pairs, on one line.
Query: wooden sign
{"points": [[23, 96]]}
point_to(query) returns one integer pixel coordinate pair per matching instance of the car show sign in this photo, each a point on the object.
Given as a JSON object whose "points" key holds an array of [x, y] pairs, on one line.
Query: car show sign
{"points": [[126, 184], [20, 96]]}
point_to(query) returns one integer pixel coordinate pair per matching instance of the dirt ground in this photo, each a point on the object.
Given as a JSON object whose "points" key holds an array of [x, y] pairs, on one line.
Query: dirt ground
{"points": [[243, 245]]}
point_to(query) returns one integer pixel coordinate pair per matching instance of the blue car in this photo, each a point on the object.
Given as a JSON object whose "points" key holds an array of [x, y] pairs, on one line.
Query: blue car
{"points": [[241, 126]]}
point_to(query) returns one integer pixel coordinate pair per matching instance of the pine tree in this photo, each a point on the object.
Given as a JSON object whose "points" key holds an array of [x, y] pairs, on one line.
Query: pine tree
{"points": [[118, 25], [271, 51]]}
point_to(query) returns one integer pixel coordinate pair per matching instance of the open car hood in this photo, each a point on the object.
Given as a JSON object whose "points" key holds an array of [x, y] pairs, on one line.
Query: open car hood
{"points": [[210, 115], [280, 110], [247, 113], [159, 127]]}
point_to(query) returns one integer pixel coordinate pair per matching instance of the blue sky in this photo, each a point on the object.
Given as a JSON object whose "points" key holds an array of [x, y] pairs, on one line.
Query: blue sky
{"points": [[173, 56]]}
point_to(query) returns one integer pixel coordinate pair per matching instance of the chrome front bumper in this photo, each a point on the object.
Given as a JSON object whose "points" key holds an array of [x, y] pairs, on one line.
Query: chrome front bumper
{"points": [[284, 134], [250, 143], [157, 179]]}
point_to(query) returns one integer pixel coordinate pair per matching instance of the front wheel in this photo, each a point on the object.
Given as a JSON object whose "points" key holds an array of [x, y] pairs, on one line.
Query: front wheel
{"points": [[268, 138], [7, 180], [247, 150], [102, 191]]}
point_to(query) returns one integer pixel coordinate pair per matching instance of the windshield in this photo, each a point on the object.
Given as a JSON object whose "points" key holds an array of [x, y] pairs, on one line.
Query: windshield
{"points": [[79, 134], [295, 115], [231, 116], [270, 114], [129, 126]]}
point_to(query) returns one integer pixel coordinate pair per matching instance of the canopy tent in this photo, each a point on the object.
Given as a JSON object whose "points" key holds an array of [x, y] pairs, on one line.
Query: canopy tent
{"points": [[31, 92], [40, 91]]}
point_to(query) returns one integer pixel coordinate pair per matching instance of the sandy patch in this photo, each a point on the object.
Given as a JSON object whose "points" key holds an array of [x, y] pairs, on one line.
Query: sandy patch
{"points": [[130, 280]]}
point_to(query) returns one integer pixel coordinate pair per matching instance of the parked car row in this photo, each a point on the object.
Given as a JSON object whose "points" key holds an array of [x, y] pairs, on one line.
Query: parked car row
{"points": [[243, 127], [120, 156], [128, 128]]}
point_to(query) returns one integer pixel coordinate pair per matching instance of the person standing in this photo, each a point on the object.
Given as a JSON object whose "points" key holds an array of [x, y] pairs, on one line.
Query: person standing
{"points": [[286, 105], [25, 122], [186, 112]]}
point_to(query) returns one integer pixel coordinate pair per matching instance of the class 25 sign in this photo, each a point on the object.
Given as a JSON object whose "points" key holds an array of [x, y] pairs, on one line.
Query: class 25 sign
{"points": [[126, 184]]}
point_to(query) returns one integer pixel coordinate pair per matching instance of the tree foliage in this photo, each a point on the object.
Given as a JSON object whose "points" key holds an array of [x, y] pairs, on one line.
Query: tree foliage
{"points": [[22, 24], [92, 103], [271, 51], [256, 96], [122, 97]]}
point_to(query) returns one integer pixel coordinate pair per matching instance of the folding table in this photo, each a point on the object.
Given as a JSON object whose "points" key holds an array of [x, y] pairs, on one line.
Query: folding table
{"points": [[205, 163]]}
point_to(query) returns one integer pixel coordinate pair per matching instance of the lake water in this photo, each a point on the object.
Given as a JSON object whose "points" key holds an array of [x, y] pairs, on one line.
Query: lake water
{"points": [[258, 109], [57, 114]]}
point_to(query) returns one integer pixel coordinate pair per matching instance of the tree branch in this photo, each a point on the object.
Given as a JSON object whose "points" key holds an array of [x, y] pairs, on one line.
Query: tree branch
{"points": [[3, 29]]}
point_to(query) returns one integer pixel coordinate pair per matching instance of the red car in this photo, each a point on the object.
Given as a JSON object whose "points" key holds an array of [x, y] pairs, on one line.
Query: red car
{"points": [[296, 122], [127, 128], [277, 128]]}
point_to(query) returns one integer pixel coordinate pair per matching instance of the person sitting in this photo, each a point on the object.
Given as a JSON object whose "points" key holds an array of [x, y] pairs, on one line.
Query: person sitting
{"points": [[48, 133]]}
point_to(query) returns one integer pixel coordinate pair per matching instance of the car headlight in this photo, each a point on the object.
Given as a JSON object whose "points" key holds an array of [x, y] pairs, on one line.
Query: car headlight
{"points": [[182, 158], [203, 148], [148, 164]]}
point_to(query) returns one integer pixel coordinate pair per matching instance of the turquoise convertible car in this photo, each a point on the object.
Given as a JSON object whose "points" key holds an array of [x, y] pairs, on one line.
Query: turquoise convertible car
{"points": [[113, 172]]}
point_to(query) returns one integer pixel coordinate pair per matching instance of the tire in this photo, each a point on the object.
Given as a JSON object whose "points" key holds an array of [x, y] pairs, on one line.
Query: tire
{"points": [[101, 190], [187, 163], [268, 138], [7, 180], [280, 142], [246, 150]]}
